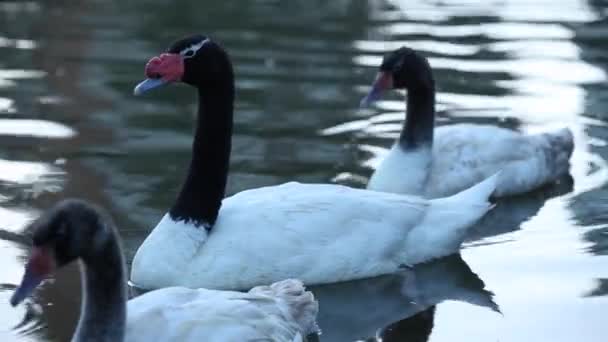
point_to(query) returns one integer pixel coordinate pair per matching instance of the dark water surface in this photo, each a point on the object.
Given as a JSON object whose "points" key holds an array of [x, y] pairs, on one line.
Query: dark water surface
{"points": [[69, 126]]}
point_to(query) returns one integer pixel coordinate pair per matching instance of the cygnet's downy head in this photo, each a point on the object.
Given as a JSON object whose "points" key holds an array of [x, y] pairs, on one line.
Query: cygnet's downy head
{"points": [[71, 230]]}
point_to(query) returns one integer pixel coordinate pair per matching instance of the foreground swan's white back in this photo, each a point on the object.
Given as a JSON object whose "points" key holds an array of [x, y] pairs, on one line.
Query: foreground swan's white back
{"points": [[319, 233], [440, 162], [75, 230], [283, 311]]}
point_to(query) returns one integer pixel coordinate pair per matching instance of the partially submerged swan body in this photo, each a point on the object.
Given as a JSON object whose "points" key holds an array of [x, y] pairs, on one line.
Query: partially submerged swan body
{"points": [[75, 230], [440, 162], [319, 233], [315, 232]]}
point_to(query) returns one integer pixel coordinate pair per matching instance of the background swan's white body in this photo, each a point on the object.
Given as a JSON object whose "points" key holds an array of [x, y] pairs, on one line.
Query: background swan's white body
{"points": [[464, 154], [283, 311], [319, 233]]}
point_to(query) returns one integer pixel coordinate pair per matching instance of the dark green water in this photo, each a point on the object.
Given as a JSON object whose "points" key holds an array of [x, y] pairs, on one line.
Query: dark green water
{"points": [[69, 126]]}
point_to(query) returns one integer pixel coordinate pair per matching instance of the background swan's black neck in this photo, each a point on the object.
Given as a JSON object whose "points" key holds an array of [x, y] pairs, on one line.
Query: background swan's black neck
{"points": [[104, 308], [420, 119], [201, 195]]}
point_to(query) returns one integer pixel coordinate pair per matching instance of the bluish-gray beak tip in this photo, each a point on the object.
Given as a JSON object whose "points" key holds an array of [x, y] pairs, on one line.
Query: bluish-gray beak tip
{"points": [[373, 96], [27, 286], [147, 85], [367, 101]]}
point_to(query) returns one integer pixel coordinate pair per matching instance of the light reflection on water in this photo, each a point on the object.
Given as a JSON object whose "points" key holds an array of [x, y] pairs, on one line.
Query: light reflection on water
{"points": [[71, 128], [35, 128]]}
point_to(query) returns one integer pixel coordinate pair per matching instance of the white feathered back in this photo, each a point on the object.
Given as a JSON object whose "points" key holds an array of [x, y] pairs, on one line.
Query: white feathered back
{"points": [[283, 311]]}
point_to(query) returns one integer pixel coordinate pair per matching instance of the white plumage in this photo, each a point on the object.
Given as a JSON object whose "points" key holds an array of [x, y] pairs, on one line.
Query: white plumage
{"points": [[283, 311], [464, 154], [319, 233]]}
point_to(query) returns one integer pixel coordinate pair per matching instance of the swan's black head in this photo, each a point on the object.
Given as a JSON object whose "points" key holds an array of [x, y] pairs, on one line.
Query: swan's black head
{"points": [[403, 68], [195, 60], [72, 229]]}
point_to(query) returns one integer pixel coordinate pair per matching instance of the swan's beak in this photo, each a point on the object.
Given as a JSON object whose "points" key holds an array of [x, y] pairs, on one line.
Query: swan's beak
{"points": [[148, 84], [39, 266], [160, 71], [28, 284], [383, 81]]}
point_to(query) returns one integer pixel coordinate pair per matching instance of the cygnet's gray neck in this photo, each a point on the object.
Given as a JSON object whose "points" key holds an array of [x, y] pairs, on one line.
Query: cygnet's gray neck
{"points": [[103, 309]]}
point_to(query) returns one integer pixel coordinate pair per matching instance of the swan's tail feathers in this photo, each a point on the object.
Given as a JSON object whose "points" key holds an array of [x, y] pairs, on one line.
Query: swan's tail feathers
{"points": [[561, 145], [566, 139], [448, 220], [479, 193], [299, 303]]}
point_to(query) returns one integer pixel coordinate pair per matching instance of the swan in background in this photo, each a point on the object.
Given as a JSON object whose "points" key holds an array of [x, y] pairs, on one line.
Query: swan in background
{"points": [[75, 230], [441, 162], [319, 233]]}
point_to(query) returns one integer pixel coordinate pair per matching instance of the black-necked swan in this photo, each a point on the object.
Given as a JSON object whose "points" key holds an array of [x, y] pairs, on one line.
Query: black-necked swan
{"points": [[319, 233], [76, 230], [441, 162]]}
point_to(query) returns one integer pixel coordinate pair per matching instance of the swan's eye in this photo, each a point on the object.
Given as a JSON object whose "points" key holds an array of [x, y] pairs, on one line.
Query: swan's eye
{"points": [[188, 53]]}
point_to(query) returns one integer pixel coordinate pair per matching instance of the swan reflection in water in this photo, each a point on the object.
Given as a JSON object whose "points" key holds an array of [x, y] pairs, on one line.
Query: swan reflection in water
{"points": [[511, 212], [359, 309], [416, 328], [448, 278]]}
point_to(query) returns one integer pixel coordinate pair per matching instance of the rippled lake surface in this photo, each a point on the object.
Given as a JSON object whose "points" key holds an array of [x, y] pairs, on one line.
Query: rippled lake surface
{"points": [[534, 270]]}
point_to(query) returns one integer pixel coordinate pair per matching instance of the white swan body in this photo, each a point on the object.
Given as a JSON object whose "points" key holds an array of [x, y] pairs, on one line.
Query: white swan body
{"points": [[319, 233], [464, 154], [283, 311]]}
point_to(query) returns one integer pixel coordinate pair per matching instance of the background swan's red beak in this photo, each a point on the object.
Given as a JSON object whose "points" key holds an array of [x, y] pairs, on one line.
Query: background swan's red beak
{"points": [[383, 81]]}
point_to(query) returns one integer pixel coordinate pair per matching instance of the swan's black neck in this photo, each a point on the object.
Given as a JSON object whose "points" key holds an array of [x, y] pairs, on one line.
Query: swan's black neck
{"points": [[420, 119], [201, 195], [104, 308]]}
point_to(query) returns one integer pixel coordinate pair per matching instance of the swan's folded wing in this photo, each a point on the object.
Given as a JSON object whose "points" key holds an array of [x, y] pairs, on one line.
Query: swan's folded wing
{"points": [[465, 154]]}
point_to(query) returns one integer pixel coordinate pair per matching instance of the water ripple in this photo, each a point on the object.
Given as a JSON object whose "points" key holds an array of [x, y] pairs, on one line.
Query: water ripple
{"points": [[444, 48], [35, 128], [20, 74], [24, 44], [495, 31]]}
